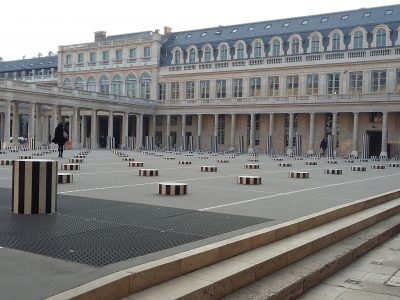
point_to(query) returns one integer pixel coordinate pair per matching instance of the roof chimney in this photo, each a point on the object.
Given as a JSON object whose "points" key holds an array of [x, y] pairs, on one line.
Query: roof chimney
{"points": [[167, 30], [100, 36], [157, 31], [1, 59]]}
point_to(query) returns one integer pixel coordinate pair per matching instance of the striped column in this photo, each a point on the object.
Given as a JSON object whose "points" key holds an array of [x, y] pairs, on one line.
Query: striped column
{"points": [[184, 143], [384, 153], [252, 132], [199, 125], [169, 146], [354, 151], [290, 139], [34, 187], [312, 135], [15, 123], [334, 133], [365, 146], [269, 151], [215, 138], [110, 129], [233, 126]]}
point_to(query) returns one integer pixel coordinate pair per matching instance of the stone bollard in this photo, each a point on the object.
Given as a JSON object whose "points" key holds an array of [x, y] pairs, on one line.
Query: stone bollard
{"points": [[251, 166], [333, 171], [34, 186], [65, 178], [172, 188], [299, 174], [249, 180], [148, 172], [208, 169]]}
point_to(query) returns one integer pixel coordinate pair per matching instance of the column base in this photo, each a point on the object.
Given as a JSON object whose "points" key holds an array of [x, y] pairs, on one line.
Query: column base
{"points": [[354, 153], [250, 150], [95, 146], [232, 149], [383, 154], [289, 151], [310, 152]]}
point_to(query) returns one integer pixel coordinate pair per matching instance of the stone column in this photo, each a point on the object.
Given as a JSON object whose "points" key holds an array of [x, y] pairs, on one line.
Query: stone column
{"points": [[46, 129], [355, 135], [1, 126], [70, 127], [311, 139], [75, 118], [290, 139], [24, 125], [93, 130], [83, 131], [56, 117], [252, 132], [271, 125], [125, 126], [38, 127], [384, 153], [216, 125], [233, 127], [153, 126], [139, 131], [110, 124], [7, 118], [31, 123], [334, 132], [168, 132], [15, 123], [183, 132]]}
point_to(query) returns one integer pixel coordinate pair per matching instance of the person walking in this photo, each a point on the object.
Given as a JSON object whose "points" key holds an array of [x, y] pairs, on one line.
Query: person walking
{"points": [[323, 146], [60, 138]]}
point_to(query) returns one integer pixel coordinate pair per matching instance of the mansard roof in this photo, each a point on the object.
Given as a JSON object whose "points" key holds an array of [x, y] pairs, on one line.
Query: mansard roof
{"points": [[322, 22], [133, 35], [45, 62]]}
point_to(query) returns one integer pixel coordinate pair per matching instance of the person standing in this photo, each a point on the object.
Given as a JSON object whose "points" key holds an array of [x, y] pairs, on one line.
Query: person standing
{"points": [[323, 146], [60, 138]]}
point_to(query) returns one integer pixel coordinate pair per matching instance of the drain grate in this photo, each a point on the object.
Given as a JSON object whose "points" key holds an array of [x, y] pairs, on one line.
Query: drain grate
{"points": [[100, 232]]}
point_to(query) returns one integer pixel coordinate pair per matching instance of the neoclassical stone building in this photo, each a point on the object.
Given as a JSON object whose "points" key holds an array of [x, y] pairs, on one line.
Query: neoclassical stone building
{"points": [[276, 86]]}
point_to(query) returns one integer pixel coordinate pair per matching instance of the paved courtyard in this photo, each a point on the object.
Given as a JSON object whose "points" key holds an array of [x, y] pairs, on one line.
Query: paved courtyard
{"points": [[110, 218]]}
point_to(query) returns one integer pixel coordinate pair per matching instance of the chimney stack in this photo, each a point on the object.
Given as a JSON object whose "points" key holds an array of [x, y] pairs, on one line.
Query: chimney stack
{"points": [[100, 36], [167, 30]]}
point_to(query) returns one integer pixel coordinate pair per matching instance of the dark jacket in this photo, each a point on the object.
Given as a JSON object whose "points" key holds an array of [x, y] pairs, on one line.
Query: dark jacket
{"points": [[323, 144], [59, 135]]}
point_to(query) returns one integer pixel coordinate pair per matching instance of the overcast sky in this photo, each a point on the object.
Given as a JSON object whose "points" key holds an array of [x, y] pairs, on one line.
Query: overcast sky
{"points": [[29, 27]]}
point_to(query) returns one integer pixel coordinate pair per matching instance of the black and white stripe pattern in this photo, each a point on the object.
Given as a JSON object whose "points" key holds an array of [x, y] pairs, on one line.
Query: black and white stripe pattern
{"points": [[76, 160], [79, 156], [203, 157], [172, 188], [253, 159], [363, 160], [148, 172], [65, 178], [34, 187], [359, 168], [169, 157], [37, 154], [135, 164], [208, 169], [350, 161], [333, 171], [298, 148], [298, 158], [393, 165], [70, 167], [128, 159], [299, 174], [31, 144], [184, 162], [6, 162], [311, 163], [3, 152], [377, 166], [331, 162], [284, 164], [222, 161], [365, 146], [251, 166], [25, 157], [250, 180], [14, 150], [278, 159]]}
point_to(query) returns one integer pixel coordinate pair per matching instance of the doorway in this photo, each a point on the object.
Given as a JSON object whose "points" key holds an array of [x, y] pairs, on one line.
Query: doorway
{"points": [[375, 142]]}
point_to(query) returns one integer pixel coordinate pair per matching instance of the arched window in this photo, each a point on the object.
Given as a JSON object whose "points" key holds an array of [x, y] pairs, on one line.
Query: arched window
{"points": [[240, 51], [381, 38], [223, 54], [91, 84], [104, 85], [67, 83], [131, 86], [358, 40], [276, 48], [315, 44], [177, 57], [207, 54], [335, 42], [145, 81], [79, 84], [192, 56], [295, 46], [257, 49], [117, 85]]}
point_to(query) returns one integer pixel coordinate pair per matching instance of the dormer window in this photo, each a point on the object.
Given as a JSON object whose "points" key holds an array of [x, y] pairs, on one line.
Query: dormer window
{"points": [[305, 22], [286, 24], [203, 34], [325, 19], [234, 30], [189, 36], [345, 17], [366, 14], [218, 32], [251, 28], [388, 12], [268, 26]]}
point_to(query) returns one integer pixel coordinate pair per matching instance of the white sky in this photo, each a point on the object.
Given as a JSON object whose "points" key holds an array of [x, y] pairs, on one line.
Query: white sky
{"points": [[32, 26]]}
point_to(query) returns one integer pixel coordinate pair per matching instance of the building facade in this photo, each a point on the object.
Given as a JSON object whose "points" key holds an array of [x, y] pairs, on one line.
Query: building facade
{"points": [[277, 86]]}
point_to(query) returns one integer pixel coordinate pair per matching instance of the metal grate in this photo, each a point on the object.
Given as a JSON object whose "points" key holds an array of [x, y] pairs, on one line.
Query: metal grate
{"points": [[100, 232]]}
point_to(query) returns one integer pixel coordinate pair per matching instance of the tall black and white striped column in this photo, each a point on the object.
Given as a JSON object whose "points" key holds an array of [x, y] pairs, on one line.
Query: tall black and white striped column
{"points": [[365, 146], [34, 186]]}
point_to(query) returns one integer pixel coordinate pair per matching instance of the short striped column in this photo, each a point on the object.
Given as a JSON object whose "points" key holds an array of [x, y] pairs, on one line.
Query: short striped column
{"points": [[3, 152], [359, 168], [25, 157], [251, 166], [299, 174], [76, 160], [70, 167], [208, 169], [333, 171], [184, 162], [311, 163], [349, 161], [37, 154], [169, 157], [363, 160], [80, 156], [65, 178], [231, 156], [331, 162], [6, 162], [128, 159], [148, 172], [298, 158], [393, 165], [284, 164], [378, 167], [34, 186], [203, 157], [172, 188], [135, 164], [252, 159], [278, 159], [249, 180], [223, 161]]}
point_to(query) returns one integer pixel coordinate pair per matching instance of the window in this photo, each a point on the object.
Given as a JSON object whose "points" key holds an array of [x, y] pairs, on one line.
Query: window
{"points": [[174, 90], [146, 52], [251, 28], [221, 129], [381, 38], [255, 87], [240, 51], [67, 83], [345, 17], [325, 19], [177, 57], [205, 89], [203, 34], [223, 56], [375, 117], [358, 40], [335, 42], [145, 81], [118, 54], [116, 85], [190, 90], [207, 54], [131, 84], [105, 56], [276, 48], [162, 95], [315, 44], [132, 53], [104, 85], [257, 49], [218, 32], [234, 30], [389, 12], [192, 56], [273, 86], [366, 14], [268, 26], [91, 84], [92, 56], [378, 81], [189, 120], [292, 85], [312, 84], [221, 89], [174, 120], [295, 46], [159, 119], [286, 24], [305, 22], [237, 85], [356, 82], [398, 81], [189, 36], [80, 58], [79, 85], [68, 59], [333, 83]]}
